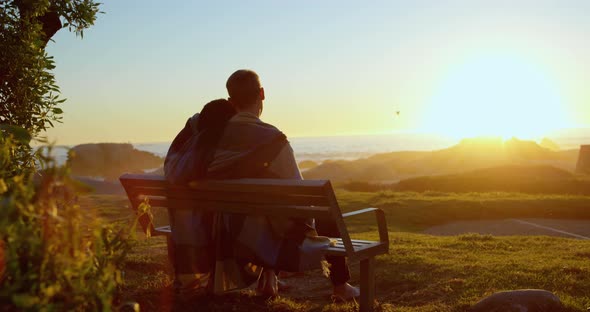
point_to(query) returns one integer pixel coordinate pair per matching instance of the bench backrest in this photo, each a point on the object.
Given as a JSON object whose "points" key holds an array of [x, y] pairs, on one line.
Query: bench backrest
{"points": [[265, 197]]}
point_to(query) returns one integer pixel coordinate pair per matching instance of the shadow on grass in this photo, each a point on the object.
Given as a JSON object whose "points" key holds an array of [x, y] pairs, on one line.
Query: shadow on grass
{"points": [[142, 266], [239, 301]]}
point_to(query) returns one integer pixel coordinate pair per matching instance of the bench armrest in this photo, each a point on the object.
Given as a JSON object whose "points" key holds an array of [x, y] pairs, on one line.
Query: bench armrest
{"points": [[381, 223], [357, 212]]}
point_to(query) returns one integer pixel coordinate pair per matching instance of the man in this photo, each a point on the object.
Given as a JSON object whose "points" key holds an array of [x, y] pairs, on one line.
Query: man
{"points": [[244, 133]]}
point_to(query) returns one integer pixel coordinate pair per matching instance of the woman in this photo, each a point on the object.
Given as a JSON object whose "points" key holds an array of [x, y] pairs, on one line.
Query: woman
{"points": [[187, 160]]}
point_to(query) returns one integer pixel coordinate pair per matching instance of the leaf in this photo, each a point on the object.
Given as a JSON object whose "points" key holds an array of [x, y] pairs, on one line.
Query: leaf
{"points": [[130, 306], [3, 187], [57, 110], [19, 134], [25, 300]]}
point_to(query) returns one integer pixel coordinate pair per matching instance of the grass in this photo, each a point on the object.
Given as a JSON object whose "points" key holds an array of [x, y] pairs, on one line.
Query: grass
{"points": [[452, 273], [420, 273], [411, 211]]}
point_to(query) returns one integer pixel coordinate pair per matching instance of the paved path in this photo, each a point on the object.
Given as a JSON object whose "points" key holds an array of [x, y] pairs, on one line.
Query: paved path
{"points": [[579, 229]]}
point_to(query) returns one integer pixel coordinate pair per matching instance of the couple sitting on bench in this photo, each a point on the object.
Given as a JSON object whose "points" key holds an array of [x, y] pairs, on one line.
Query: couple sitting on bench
{"points": [[227, 140]]}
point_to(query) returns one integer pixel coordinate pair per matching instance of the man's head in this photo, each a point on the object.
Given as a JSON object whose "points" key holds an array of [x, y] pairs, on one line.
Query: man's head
{"points": [[245, 91]]}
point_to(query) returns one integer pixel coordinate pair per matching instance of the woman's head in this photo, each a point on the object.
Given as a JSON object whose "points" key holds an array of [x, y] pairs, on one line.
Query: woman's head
{"points": [[215, 114]]}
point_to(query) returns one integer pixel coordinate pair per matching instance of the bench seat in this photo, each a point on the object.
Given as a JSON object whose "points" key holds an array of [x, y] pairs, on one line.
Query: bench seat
{"points": [[337, 248]]}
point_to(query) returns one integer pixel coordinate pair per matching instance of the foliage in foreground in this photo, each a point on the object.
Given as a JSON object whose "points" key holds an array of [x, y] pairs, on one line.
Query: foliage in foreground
{"points": [[29, 96], [51, 257]]}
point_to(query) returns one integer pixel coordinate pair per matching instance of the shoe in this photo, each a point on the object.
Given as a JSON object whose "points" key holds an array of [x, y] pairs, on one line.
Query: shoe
{"points": [[283, 286], [268, 284], [345, 293]]}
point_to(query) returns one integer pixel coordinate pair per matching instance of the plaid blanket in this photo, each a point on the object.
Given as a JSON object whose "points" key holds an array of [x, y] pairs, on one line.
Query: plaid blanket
{"points": [[226, 251]]}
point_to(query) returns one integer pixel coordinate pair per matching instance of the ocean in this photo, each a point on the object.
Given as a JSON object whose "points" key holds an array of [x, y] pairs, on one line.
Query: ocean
{"points": [[343, 147], [319, 149]]}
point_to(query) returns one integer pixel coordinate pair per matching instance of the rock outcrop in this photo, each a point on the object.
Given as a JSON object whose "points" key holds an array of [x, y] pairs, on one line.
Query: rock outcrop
{"points": [[549, 144], [526, 300], [307, 164], [110, 160]]}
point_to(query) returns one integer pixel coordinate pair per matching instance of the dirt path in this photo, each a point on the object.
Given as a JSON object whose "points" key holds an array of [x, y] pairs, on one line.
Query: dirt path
{"points": [[579, 229]]}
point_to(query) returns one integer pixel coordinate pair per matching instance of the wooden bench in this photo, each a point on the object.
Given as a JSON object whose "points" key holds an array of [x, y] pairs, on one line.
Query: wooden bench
{"points": [[265, 197]]}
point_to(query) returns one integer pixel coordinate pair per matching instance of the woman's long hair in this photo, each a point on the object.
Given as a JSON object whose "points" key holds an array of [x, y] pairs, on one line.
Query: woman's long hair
{"points": [[212, 121]]}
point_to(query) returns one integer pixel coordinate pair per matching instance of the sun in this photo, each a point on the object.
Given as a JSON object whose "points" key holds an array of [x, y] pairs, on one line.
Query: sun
{"points": [[495, 95]]}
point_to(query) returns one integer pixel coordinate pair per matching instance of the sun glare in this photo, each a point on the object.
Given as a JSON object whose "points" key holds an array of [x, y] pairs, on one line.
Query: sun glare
{"points": [[496, 96]]}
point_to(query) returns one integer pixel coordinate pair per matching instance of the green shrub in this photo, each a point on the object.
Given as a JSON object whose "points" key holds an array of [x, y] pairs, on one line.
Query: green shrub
{"points": [[30, 98], [51, 257]]}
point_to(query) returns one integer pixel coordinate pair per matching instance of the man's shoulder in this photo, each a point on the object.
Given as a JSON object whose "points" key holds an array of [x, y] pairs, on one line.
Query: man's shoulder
{"points": [[250, 120], [269, 126]]}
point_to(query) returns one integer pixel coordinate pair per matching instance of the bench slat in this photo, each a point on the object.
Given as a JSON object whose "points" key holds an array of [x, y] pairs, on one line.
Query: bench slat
{"points": [[289, 211], [377, 248], [260, 186], [374, 248], [241, 197], [358, 241], [264, 186]]}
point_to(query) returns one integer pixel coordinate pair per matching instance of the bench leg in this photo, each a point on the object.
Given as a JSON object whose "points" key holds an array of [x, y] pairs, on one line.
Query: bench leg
{"points": [[367, 285]]}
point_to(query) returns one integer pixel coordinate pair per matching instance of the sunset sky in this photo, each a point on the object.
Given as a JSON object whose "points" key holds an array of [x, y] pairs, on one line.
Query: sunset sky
{"points": [[457, 68]]}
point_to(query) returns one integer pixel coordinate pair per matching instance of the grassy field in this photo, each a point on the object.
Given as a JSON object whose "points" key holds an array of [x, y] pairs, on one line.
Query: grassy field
{"points": [[421, 272], [412, 212]]}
